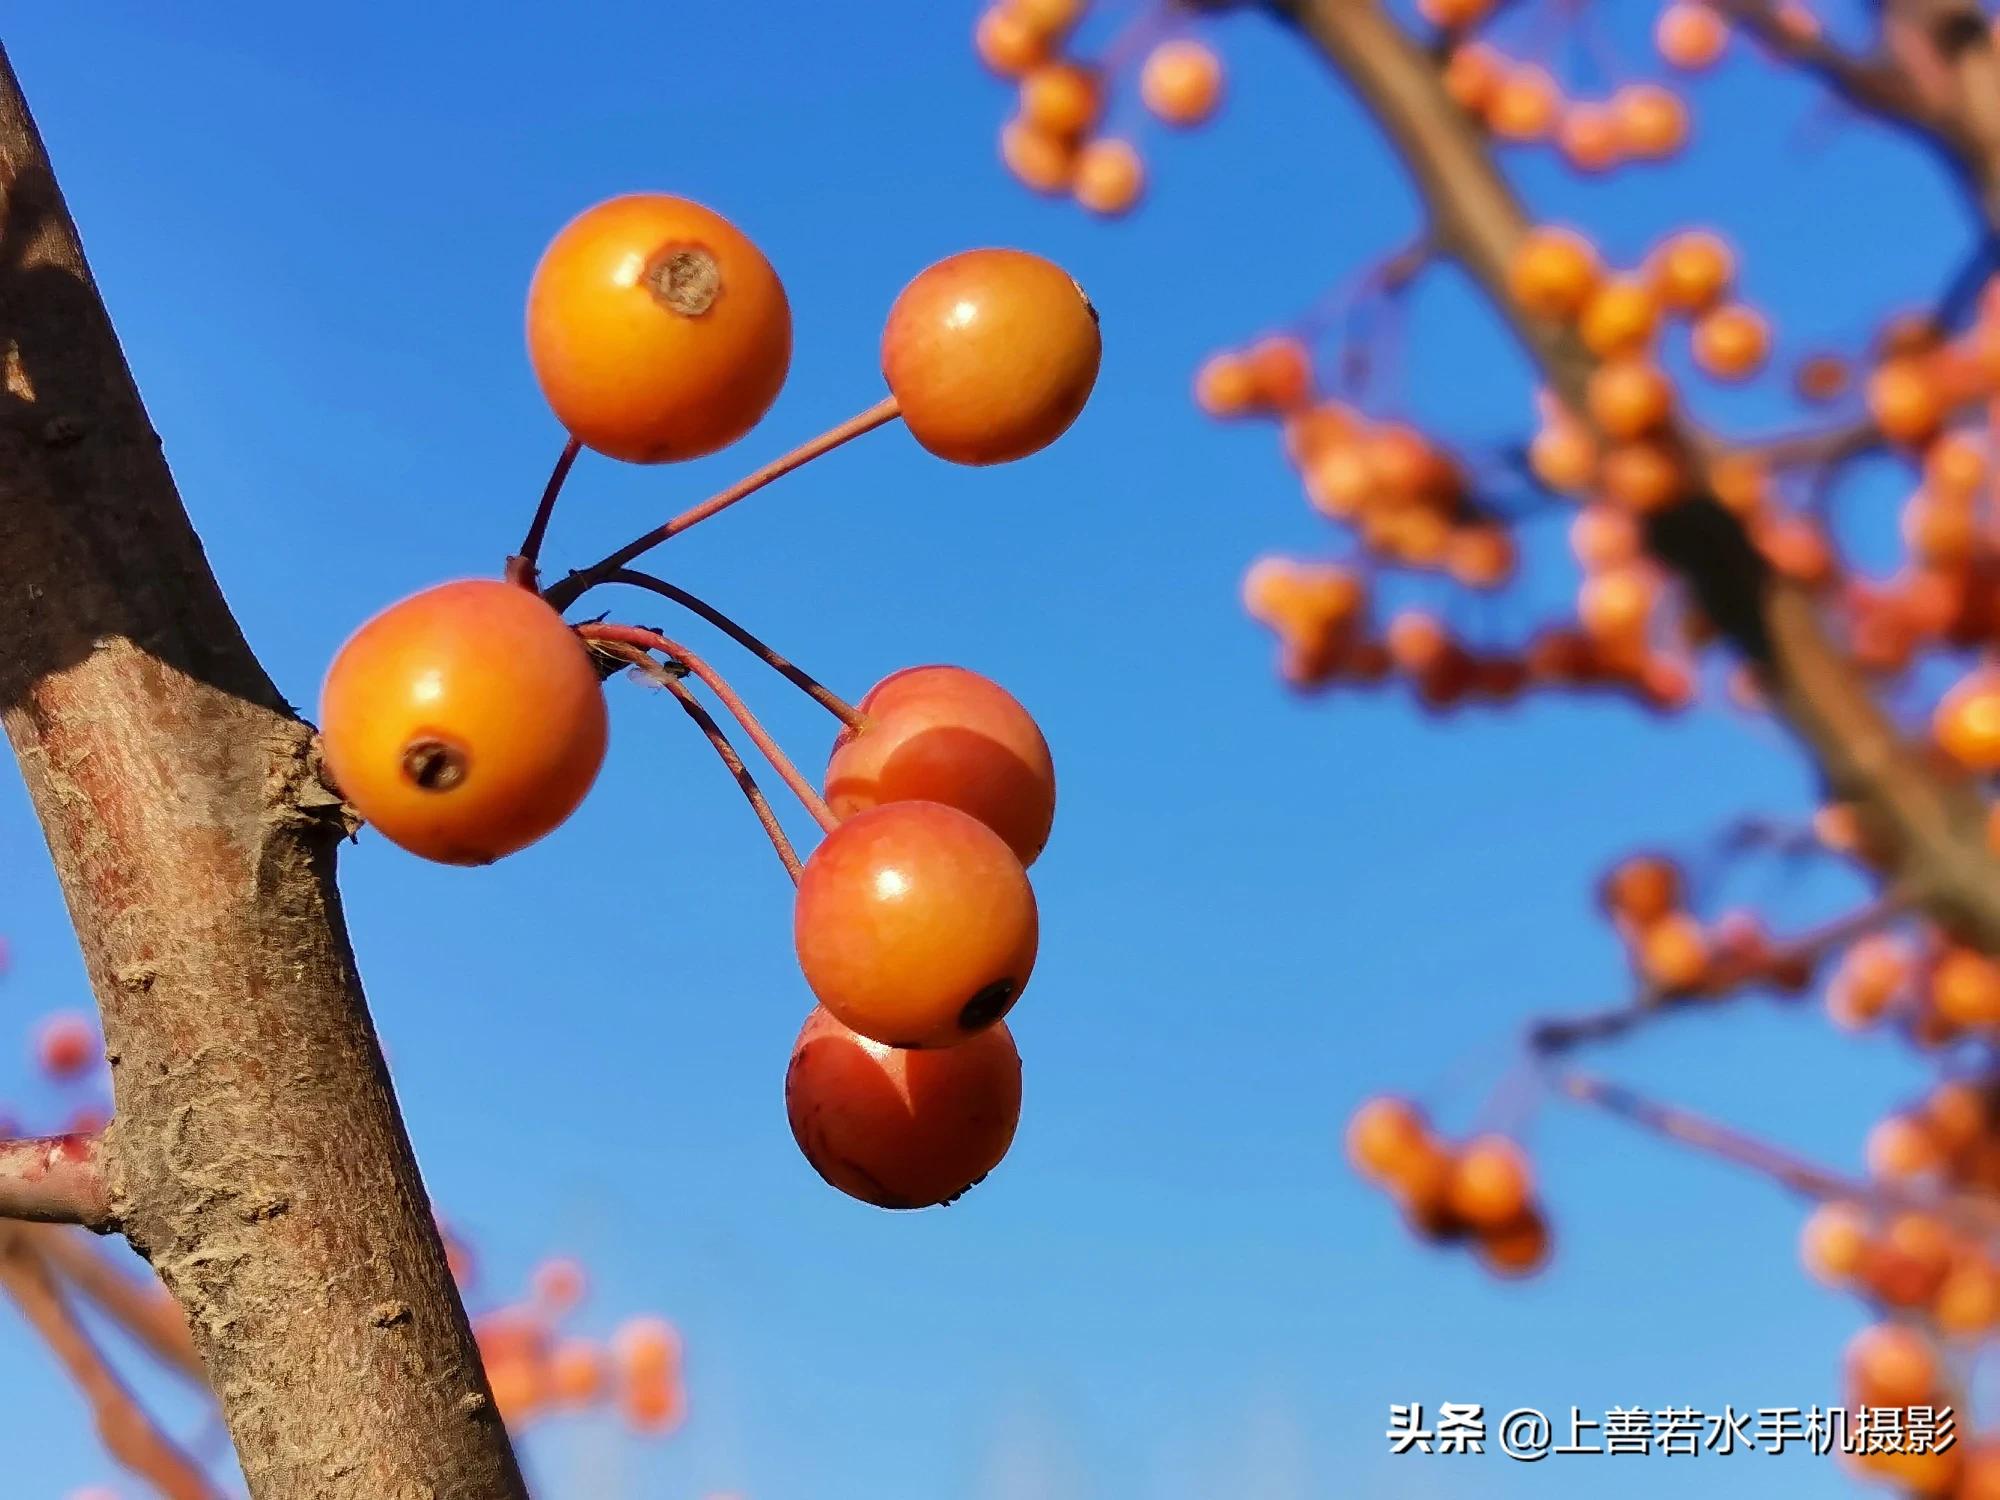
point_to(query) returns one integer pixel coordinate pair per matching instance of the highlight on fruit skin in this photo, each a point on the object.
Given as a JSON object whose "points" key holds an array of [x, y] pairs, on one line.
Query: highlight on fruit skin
{"points": [[898, 1128], [656, 329], [464, 722], [946, 734], [991, 355], [915, 924]]}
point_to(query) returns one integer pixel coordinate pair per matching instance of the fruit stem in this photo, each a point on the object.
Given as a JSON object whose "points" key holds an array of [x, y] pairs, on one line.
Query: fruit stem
{"points": [[521, 566], [787, 855], [562, 595], [652, 640], [821, 694]]}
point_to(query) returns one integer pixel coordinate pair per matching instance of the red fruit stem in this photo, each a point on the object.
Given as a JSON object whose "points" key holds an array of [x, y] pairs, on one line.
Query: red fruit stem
{"points": [[56, 1179], [521, 566], [652, 640], [562, 595], [787, 855], [832, 702]]}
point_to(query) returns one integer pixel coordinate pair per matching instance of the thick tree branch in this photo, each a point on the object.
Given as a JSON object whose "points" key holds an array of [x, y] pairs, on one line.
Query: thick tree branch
{"points": [[127, 1432], [1932, 823], [256, 1156], [56, 1179]]}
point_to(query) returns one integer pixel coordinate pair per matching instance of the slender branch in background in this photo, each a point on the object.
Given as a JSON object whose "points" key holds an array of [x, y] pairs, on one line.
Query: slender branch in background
{"points": [[127, 1432], [1872, 84], [1552, 1038], [137, 1304], [55, 1179], [1970, 1214], [705, 721], [652, 640], [521, 567], [832, 702], [562, 595], [1931, 823]]}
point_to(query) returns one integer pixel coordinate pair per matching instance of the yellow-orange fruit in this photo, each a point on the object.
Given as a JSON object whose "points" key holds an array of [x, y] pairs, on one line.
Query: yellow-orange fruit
{"points": [[1181, 82], [897, 1128], [1553, 272], [1967, 721], [991, 355], [1691, 271], [1492, 1185], [656, 329], [465, 722], [1731, 342], [1628, 397], [945, 734], [1109, 177]]}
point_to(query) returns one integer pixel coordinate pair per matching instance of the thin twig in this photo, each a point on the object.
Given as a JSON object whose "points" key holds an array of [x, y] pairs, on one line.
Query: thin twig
{"points": [[652, 640], [1553, 1037], [562, 595], [140, 1306], [831, 701], [787, 855], [127, 1432], [521, 567]]}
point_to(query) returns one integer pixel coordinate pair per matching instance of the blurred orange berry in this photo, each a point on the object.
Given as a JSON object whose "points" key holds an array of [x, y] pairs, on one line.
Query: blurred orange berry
{"points": [[1692, 270], [1181, 82], [1109, 176], [1553, 272], [1731, 342]]}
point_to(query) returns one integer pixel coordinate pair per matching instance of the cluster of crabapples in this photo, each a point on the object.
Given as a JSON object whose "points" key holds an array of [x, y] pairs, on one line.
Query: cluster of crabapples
{"points": [[469, 720], [1055, 143], [1482, 1190]]}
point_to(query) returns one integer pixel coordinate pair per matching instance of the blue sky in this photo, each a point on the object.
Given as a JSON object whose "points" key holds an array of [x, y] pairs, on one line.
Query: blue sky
{"points": [[315, 236]]}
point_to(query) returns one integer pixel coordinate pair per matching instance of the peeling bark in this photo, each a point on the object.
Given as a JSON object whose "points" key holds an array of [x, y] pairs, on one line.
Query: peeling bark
{"points": [[256, 1157]]}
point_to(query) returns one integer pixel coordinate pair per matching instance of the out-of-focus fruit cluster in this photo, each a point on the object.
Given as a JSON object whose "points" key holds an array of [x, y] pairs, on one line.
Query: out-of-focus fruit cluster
{"points": [[1481, 1191], [1058, 141]]}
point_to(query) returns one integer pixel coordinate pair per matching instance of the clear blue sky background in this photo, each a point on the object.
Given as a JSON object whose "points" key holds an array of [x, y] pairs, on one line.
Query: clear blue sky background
{"points": [[315, 231]]}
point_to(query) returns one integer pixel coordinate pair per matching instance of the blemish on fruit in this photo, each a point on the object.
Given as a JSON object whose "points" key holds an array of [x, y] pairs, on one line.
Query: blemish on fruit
{"points": [[988, 1006], [685, 280], [434, 765]]}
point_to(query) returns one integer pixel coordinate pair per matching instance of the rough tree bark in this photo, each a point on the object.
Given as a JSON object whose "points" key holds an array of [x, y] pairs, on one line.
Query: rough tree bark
{"points": [[256, 1157], [1930, 823]]}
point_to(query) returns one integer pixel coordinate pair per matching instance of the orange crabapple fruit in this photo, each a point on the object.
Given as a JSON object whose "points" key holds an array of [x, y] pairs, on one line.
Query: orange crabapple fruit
{"points": [[1524, 105], [1588, 138], [464, 722], [1905, 400], [1899, 1148], [1063, 98], [991, 355], [1007, 42], [945, 734], [1731, 342], [1641, 476], [1628, 397], [1053, 19], [1673, 953], [915, 924], [1692, 270], [1965, 988], [1454, 14], [1620, 317], [1691, 35], [1383, 1134], [1471, 74], [1517, 1249], [1652, 120], [1181, 82], [1967, 722], [1834, 1243], [1109, 176], [1041, 162], [1643, 889], [1892, 1365], [900, 1128], [1225, 386], [656, 329], [1491, 1185], [1552, 272]]}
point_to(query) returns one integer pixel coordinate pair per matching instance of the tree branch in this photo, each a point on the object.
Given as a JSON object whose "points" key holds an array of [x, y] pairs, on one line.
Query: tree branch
{"points": [[56, 1179], [142, 1308], [256, 1156], [1932, 823]]}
